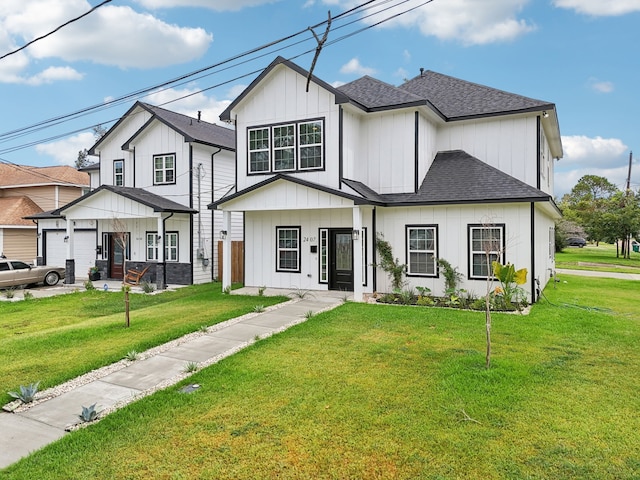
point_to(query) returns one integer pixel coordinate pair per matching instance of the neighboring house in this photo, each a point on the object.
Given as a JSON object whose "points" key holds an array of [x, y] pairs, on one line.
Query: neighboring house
{"points": [[157, 172], [26, 191], [441, 167]]}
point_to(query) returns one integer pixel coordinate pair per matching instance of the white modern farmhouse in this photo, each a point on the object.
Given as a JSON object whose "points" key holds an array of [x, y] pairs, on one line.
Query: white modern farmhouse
{"points": [[157, 172], [436, 166]]}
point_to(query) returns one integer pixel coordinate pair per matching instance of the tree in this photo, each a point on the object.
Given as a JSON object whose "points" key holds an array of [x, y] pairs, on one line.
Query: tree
{"points": [[587, 203], [122, 239], [83, 155]]}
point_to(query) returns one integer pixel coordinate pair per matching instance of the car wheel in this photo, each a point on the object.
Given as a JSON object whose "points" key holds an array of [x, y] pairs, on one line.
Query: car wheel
{"points": [[51, 279]]}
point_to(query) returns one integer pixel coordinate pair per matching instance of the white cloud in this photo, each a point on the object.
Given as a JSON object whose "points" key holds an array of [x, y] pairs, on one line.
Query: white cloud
{"points": [[469, 22], [354, 66], [218, 5], [195, 101], [600, 8], [600, 86], [65, 151], [111, 35], [53, 74], [604, 157]]}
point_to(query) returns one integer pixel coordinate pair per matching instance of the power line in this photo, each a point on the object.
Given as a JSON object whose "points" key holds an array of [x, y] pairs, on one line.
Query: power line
{"points": [[54, 30], [186, 78]]}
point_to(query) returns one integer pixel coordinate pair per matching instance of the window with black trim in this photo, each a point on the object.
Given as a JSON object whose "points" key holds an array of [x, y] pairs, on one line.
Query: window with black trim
{"points": [[486, 245], [170, 246], [288, 249], [118, 173], [286, 147], [164, 169], [422, 250]]}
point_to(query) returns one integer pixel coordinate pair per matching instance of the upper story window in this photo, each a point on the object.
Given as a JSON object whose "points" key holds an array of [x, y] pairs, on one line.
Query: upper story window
{"points": [[118, 173], [286, 147], [164, 169], [486, 245], [422, 252]]}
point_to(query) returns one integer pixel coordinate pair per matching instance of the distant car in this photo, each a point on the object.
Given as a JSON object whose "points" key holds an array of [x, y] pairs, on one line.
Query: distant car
{"points": [[576, 242], [15, 272]]}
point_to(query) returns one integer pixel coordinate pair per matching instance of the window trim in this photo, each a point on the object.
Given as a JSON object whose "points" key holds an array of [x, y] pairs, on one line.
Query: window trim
{"points": [[435, 251], [115, 175], [164, 169], [271, 149], [166, 246], [501, 255], [297, 229]]}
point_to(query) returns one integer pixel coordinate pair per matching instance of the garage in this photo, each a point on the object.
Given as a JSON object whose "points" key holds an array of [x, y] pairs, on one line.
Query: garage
{"points": [[84, 249]]}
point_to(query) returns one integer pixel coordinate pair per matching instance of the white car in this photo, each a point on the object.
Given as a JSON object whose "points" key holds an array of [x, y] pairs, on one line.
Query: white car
{"points": [[15, 272]]}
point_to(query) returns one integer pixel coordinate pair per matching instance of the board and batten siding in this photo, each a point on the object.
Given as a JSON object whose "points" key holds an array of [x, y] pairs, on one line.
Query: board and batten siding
{"points": [[508, 144], [282, 98], [260, 246], [452, 222], [111, 148]]}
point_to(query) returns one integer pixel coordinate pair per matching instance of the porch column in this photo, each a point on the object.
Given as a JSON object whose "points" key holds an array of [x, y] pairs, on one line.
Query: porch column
{"points": [[160, 266], [226, 250], [70, 263], [358, 289]]}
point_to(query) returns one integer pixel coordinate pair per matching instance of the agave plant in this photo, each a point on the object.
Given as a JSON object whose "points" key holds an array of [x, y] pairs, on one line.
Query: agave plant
{"points": [[26, 394], [89, 414]]}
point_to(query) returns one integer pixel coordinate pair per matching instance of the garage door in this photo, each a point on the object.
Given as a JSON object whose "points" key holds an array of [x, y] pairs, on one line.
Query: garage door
{"points": [[84, 249]]}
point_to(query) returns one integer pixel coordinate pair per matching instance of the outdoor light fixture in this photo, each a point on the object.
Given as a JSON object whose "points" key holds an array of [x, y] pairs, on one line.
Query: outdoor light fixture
{"points": [[355, 234], [158, 238], [223, 234], [545, 114], [66, 239]]}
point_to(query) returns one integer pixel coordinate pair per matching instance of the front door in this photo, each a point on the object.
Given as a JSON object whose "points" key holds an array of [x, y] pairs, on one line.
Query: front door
{"points": [[116, 258], [341, 260]]}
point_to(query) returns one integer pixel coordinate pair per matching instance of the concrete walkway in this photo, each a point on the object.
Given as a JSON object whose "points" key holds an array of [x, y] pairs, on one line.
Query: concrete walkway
{"points": [[593, 273], [25, 431]]}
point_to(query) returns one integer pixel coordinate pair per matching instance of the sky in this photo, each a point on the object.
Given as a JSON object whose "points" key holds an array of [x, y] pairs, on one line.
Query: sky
{"points": [[580, 55]]}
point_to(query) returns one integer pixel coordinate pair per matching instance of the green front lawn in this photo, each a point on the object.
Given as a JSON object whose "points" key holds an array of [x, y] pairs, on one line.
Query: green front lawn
{"points": [[376, 391], [603, 254], [54, 339]]}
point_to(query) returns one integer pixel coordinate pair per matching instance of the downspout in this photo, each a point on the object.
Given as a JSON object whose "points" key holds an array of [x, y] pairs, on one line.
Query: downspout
{"points": [[538, 152], [340, 146], [416, 152], [134, 168], [213, 213], [533, 253]]}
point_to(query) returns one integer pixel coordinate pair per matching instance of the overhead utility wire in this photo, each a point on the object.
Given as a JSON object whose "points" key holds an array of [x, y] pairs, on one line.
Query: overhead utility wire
{"points": [[172, 81], [54, 31], [104, 106]]}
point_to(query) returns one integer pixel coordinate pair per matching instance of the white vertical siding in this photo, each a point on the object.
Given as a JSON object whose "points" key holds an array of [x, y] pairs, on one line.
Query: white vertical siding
{"points": [[452, 224], [509, 144], [280, 98], [260, 246]]}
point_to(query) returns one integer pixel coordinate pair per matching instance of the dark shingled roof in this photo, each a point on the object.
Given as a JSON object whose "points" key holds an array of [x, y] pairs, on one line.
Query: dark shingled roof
{"points": [[151, 200], [455, 177], [190, 128], [457, 99], [373, 94]]}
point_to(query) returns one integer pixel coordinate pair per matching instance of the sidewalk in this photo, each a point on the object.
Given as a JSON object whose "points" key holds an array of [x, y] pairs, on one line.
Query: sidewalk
{"points": [[594, 273], [117, 385]]}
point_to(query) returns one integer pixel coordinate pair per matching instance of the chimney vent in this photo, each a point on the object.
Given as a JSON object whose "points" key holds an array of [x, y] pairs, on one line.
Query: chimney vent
{"points": [[421, 71], [199, 115]]}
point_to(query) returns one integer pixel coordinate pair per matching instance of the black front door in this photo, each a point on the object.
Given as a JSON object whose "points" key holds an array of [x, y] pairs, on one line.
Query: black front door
{"points": [[341, 260]]}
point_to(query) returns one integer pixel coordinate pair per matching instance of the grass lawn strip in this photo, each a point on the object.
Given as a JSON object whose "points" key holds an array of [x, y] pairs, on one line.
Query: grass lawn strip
{"points": [[371, 391]]}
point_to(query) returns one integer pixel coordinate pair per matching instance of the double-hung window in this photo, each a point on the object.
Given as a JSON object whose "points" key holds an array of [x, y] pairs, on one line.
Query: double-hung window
{"points": [[486, 245], [422, 254], [164, 169], [310, 145], [288, 249], [259, 150], [170, 246], [118, 173], [286, 147]]}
